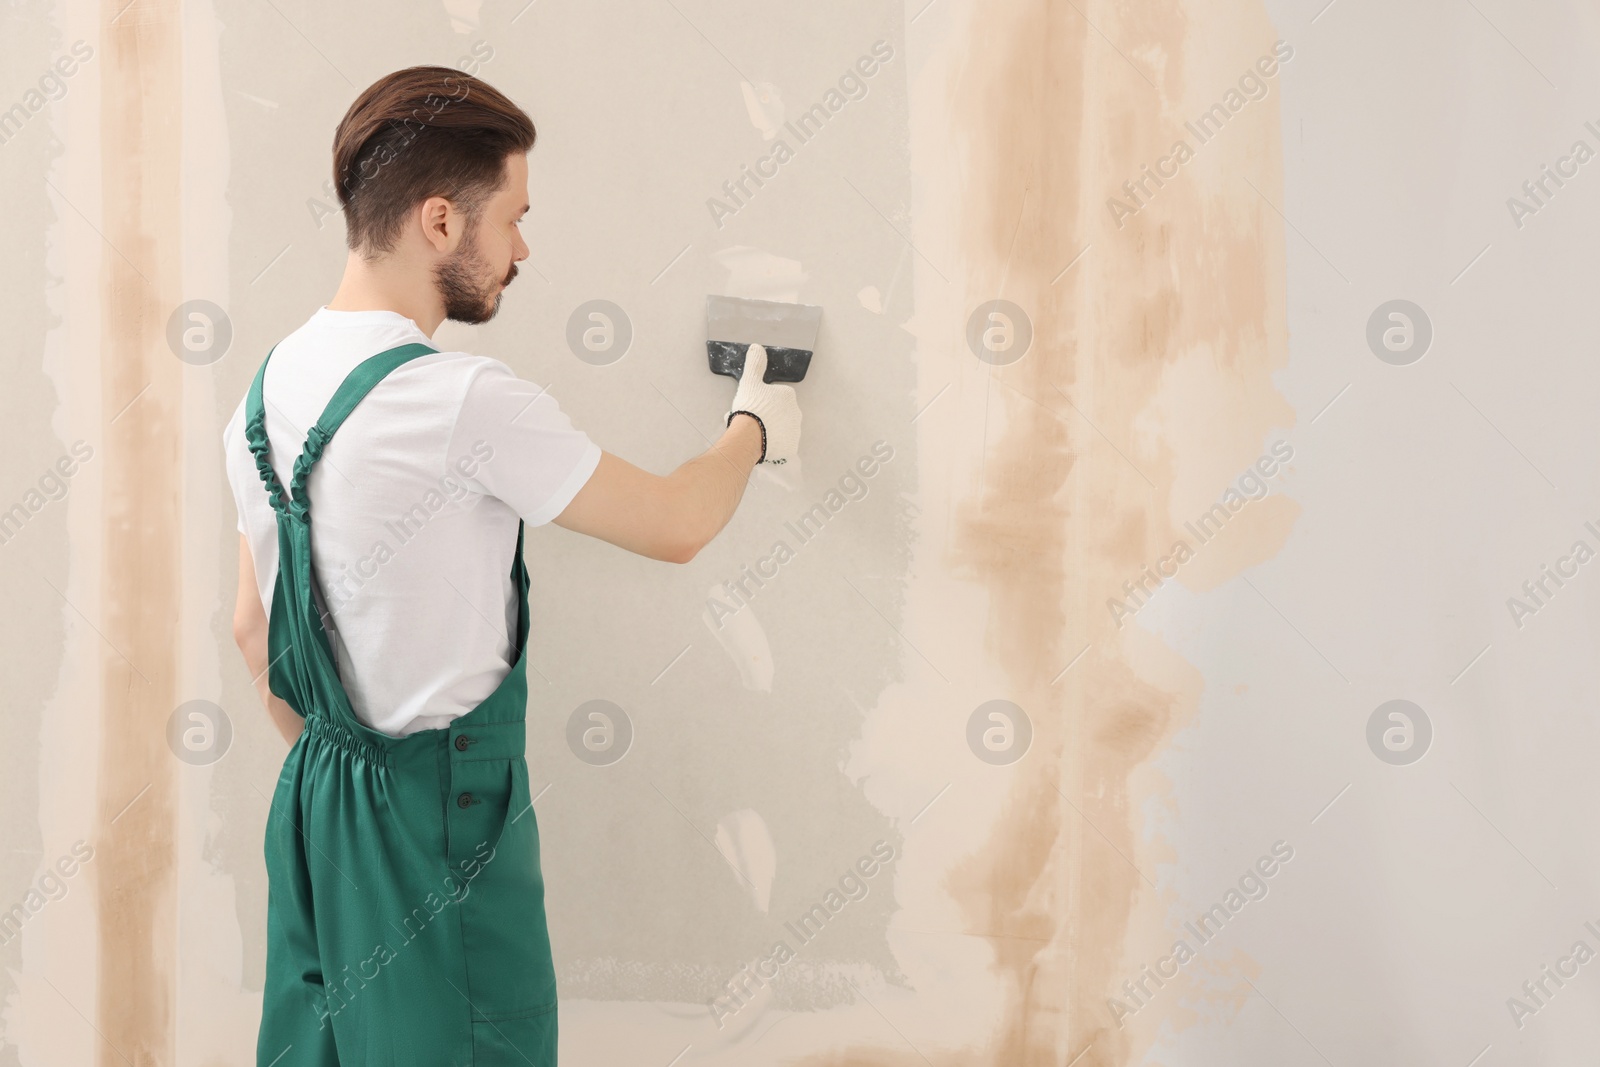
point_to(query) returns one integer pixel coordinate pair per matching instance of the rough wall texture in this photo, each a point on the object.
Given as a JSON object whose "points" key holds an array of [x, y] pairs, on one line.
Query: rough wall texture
{"points": [[1093, 669]]}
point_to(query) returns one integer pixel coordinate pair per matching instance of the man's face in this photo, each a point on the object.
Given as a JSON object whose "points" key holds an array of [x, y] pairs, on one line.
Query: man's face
{"points": [[472, 279]]}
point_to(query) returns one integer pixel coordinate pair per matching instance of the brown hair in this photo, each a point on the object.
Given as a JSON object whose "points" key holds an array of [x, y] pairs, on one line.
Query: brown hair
{"points": [[416, 133]]}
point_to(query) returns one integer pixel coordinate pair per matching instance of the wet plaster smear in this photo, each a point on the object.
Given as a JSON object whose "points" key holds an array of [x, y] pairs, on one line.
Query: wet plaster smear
{"points": [[1147, 389], [139, 209]]}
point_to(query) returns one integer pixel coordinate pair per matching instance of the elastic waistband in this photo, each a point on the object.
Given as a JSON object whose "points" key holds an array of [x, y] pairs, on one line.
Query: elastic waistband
{"points": [[338, 733], [465, 740]]}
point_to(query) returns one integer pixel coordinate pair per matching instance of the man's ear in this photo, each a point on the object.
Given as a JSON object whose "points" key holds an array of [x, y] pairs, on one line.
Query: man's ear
{"points": [[442, 224]]}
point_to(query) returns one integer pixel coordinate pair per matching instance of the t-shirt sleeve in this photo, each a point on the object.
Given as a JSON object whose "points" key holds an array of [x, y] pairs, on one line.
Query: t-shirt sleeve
{"points": [[512, 441]]}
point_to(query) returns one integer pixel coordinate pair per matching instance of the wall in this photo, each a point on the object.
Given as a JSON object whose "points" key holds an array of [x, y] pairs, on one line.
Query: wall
{"points": [[1099, 662]]}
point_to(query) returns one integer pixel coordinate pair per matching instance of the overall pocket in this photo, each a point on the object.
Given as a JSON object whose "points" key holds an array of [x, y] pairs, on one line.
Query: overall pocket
{"points": [[480, 805], [509, 965]]}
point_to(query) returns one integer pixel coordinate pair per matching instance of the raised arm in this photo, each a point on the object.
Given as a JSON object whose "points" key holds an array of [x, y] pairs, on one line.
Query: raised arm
{"points": [[671, 517], [674, 517]]}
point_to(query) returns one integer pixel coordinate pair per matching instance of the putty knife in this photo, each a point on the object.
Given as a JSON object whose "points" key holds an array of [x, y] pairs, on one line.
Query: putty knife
{"points": [[787, 331]]}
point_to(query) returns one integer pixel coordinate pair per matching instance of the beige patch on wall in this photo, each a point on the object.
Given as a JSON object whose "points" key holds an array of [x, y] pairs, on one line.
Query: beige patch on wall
{"points": [[1091, 449], [136, 851]]}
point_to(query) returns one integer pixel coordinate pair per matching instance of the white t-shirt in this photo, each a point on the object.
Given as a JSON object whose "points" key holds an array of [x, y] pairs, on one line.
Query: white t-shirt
{"points": [[414, 509]]}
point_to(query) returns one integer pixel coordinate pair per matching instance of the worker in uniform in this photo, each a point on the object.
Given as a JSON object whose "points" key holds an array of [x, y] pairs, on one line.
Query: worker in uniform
{"points": [[384, 486]]}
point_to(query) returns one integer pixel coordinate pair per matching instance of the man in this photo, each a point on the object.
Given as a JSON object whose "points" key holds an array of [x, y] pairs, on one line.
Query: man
{"points": [[405, 915]]}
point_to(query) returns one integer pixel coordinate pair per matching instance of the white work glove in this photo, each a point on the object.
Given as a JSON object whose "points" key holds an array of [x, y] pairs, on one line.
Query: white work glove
{"points": [[774, 406]]}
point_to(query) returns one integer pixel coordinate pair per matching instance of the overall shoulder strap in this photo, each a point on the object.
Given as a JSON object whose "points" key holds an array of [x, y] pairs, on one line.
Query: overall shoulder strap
{"points": [[357, 384], [255, 435]]}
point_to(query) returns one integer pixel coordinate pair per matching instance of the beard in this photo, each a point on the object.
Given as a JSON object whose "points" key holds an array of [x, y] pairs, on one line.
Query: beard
{"points": [[460, 279]]}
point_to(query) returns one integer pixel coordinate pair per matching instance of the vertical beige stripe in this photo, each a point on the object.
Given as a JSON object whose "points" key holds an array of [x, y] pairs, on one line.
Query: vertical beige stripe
{"points": [[1077, 487], [140, 133], [1052, 107]]}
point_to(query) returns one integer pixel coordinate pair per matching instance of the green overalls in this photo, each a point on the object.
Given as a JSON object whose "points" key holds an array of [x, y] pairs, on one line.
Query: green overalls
{"points": [[405, 908]]}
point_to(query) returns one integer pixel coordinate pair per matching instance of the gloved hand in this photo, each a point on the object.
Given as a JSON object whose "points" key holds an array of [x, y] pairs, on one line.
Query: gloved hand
{"points": [[774, 406]]}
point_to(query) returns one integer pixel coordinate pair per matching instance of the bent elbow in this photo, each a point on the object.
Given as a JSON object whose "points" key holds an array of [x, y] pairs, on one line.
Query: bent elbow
{"points": [[683, 531], [241, 631], [686, 542], [247, 631], [684, 552]]}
